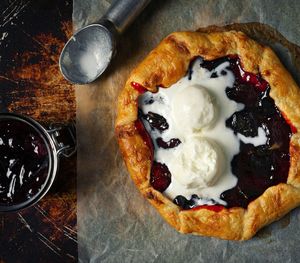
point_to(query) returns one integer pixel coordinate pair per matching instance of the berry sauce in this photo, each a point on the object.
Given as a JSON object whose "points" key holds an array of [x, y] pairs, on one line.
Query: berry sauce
{"points": [[160, 177], [215, 208], [256, 167], [138, 87], [24, 162]]}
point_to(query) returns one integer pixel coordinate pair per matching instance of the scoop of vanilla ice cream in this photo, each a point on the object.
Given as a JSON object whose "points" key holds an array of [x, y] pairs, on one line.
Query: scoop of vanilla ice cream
{"points": [[192, 109], [198, 163]]}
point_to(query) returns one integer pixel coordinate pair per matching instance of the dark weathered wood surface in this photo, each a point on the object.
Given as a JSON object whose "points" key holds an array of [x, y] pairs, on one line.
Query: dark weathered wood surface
{"points": [[32, 34]]}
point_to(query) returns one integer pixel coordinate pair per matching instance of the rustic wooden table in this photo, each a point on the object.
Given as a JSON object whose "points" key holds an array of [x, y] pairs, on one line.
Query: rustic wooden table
{"points": [[32, 34]]}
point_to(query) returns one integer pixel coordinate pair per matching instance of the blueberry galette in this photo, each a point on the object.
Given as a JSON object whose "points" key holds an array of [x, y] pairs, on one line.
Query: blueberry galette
{"points": [[207, 125]]}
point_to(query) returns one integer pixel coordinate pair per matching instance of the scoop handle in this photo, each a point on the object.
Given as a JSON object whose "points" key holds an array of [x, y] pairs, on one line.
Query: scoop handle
{"points": [[123, 12]]}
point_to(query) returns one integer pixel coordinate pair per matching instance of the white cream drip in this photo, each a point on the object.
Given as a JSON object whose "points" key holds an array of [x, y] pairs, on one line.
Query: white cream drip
{"points": [[260, 139]]}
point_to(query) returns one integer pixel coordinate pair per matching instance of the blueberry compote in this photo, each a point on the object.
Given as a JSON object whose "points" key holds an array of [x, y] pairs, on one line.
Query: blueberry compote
{"points": [[260, 167], [24, 162], [256, 167]]}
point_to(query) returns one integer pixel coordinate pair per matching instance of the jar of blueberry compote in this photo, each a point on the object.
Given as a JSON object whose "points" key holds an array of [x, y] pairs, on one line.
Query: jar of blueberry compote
{"points": [[29, 159]]}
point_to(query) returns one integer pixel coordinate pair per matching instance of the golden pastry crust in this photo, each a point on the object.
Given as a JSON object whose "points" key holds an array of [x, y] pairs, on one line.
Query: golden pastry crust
{"points": [[165, 65]]}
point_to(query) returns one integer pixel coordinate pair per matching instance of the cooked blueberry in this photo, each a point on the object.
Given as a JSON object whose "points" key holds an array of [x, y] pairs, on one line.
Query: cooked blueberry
{"points": [[160, 177], [213, 64], [183, 202], [243, 93], [167, 145], [279, 132], [267, 105], [243, 122], [261, 162], [156, 121], [150, 101], [223, 72], [262, 150], [214, 75], [235, 197]]}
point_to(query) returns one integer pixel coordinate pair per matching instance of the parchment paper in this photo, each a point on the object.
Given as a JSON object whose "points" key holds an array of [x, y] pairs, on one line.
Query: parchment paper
{"points": [[115, 224]]}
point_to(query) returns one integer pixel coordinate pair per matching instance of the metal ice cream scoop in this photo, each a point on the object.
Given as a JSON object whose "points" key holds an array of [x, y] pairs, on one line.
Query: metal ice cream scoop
{"points": [[89, 51]]}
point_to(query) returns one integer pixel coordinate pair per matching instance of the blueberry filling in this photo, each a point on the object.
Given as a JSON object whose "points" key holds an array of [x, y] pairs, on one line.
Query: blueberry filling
{"points": [[256, 167], [24, 162]]}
